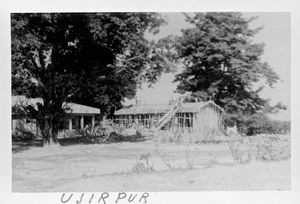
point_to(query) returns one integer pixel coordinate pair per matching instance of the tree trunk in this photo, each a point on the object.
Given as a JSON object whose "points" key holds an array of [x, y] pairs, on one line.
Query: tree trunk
{"points": [[50, 135]]}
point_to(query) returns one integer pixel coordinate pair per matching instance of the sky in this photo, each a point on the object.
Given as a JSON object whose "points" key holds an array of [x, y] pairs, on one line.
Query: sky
{"points": [[277, 53]]}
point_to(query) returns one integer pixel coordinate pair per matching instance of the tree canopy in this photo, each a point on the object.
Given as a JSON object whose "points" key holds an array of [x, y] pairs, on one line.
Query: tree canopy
{"points": [[221, 63], [94, 59]]}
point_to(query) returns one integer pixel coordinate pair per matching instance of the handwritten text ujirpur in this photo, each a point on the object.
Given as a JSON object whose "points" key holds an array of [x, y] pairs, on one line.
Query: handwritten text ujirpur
{"points": [[104, 198]]}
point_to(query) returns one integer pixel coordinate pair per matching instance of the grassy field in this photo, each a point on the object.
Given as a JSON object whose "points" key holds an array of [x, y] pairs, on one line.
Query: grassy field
{"points": [[142, 166]]}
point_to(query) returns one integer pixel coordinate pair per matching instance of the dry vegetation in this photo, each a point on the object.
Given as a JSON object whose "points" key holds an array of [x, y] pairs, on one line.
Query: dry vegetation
{"points": [[261, 147], [125, 159], [145, 166]]}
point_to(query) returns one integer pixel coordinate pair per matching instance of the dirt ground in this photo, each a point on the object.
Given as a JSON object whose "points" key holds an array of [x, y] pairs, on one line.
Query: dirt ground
{"points": [[110, 167]]}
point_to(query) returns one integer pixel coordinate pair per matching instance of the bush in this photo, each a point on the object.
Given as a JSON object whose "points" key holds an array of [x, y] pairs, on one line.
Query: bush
{"points": [[274, 147], [116, 137], [23, 135], [143, 165], [241, 151], [261, 147], [262, 124], [92, 139]]}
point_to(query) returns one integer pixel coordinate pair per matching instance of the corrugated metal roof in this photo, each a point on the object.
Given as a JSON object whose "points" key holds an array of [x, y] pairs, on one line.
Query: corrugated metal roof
{"points": [[163, 108], [75, 108]]}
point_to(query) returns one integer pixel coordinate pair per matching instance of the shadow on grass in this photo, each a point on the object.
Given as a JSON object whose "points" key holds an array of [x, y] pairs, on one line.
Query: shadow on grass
{"points": [[113, 138], [19, 146], [81, 140]]}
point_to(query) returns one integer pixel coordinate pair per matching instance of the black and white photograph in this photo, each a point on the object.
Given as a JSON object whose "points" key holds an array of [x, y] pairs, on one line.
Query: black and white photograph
{"points": [[150, 101]]}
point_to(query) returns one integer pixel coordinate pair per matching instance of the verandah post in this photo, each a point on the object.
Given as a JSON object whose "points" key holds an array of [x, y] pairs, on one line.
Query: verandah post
{"points": [[70, 123], [93, 121], [81, 122]]}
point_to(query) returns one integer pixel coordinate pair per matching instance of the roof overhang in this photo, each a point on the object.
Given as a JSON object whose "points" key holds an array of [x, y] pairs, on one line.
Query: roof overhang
{"points": [[74, 108]]}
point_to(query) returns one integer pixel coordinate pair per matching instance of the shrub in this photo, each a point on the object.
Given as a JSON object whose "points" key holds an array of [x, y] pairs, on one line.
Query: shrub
{"points": [[116, 137], [23, 135], [241, 150], [262, 124], [143, 165], [261, 147], [274, 147]]}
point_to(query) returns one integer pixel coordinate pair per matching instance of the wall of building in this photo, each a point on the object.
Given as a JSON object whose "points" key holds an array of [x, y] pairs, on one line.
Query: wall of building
{"points": [[200, 124], [23, 127]]}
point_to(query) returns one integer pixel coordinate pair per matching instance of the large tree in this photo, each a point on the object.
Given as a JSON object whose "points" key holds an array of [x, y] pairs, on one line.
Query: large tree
{"points": [[95, 59], [221, 63]]}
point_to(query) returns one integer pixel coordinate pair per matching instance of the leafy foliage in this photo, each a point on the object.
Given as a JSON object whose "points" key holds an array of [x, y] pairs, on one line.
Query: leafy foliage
{"points": [[223, 64], [262, 124], [94, 59]]}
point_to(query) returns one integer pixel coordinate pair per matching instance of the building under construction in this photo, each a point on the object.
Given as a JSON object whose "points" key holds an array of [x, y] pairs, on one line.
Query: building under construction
{"points": [[197, 117]]}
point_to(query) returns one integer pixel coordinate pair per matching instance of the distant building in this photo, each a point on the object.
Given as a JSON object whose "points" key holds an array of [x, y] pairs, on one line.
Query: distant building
{"points": [[79, 117], [192, 117]]}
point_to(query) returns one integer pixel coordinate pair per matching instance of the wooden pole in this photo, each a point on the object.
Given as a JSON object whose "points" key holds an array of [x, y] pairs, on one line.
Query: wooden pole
{"points": [[81, 122], [190, 122], [70, 123], [184, 122], [177, 122], [93, 121]]}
